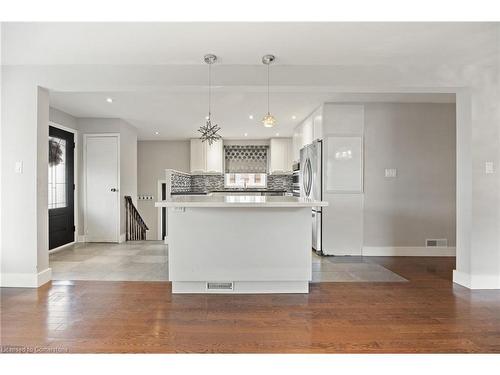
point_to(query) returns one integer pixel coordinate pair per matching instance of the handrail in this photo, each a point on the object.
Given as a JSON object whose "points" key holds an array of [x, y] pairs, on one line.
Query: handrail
{"points": [[134, 223]]}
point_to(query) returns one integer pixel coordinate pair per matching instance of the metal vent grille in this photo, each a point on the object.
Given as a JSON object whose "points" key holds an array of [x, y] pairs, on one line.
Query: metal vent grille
{"points": [[439, 242], [220, 286]]}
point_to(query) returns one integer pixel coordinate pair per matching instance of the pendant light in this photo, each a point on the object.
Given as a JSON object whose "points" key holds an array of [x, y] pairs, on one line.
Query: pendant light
{"points": [[209, 131], [268, 120]]}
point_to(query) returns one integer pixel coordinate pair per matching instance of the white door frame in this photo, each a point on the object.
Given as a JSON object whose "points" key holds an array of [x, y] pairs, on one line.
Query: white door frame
{"points": [[118, 221], [75, 181]]}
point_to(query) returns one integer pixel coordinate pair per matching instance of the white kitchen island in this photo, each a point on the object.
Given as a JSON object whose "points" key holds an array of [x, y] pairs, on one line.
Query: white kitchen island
{"points": [[239, 244]]}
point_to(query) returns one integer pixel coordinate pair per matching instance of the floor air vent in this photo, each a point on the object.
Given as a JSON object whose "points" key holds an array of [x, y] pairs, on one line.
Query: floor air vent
{"points": [[440, 242], [220, 286]]}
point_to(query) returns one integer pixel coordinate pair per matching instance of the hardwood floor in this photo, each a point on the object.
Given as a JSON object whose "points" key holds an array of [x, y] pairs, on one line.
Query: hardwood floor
{"points": [[427, 314]]}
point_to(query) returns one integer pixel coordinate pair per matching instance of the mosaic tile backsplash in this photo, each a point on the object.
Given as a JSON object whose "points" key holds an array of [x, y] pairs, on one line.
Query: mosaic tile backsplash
{"points": [[185, 183], [180, 182], [278, 182], [207, 182]]}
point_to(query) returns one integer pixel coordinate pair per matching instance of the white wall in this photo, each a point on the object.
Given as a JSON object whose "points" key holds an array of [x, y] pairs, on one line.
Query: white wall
{"points": [[24, 241], [42, 185], [419, 141], [62, 118], [153, 157], [128, 170]]}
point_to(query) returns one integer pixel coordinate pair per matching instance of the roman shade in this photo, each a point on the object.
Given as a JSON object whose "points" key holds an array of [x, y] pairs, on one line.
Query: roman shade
{"points": [[245, 158]]}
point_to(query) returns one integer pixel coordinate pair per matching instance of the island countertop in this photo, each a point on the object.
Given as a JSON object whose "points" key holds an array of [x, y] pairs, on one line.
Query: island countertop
{"points": [[239, 201]]}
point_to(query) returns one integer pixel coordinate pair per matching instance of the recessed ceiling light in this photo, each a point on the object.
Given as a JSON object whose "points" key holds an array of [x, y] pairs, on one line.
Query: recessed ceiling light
{"points": [[294, 117], [250, 117], [246, 134], [157, 133], [109, 100], [277, 134]]}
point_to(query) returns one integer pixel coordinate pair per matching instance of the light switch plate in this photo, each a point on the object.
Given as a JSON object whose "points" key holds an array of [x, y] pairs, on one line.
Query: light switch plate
{"points": [[19, 167], [489, 168], [391, 172]]}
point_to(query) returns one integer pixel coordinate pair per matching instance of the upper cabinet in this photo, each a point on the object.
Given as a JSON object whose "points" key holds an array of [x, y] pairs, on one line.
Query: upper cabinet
{"points": [[296, 144], [307, 131], [215, 157], [206, 158], [281, 155], [317, 119], [198, 156]]}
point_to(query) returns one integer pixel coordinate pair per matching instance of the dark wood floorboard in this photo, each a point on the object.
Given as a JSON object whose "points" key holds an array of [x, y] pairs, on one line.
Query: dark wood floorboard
{"points": [[428, 314]]}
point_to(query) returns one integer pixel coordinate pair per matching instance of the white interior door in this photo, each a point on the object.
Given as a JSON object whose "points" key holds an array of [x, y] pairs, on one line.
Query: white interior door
{"points": [[101, 188]]}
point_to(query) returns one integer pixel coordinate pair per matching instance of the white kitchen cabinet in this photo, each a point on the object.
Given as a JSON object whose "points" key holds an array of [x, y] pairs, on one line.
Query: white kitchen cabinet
{"points": [[307, 131], [198, 156], [317, 119], [281, 155], [296, 143], [206, 158], [215, 157]]}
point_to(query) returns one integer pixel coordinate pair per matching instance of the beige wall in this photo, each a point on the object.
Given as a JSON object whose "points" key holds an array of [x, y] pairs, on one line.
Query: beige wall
{"points": [[153, 157], [418, 140]]}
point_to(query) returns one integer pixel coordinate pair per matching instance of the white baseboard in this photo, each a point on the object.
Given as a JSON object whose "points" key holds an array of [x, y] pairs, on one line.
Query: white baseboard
{"points": [[122, 238], [243, 287], [26, 280], [476, 281], [45, 276], [55, 250], [408, 251]]}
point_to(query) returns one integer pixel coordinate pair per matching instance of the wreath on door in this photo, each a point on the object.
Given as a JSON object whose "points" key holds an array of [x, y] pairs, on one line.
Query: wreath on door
{"points": [[55, 153]]}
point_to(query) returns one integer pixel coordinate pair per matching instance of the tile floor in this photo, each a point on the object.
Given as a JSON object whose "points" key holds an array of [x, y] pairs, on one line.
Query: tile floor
{"points": [[350, 269], [130, 261], [148, 261]]}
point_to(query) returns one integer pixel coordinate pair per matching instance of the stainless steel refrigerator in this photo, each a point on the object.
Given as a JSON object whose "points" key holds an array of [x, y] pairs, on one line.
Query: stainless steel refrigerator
{"points": [[311, 186]]}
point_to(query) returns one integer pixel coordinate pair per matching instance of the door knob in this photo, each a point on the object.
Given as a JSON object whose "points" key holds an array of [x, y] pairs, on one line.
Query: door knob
{"points": [[114, 190]]}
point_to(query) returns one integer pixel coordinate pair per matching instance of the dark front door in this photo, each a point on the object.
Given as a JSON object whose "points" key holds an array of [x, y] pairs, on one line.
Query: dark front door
{"points": [[61, 187]]}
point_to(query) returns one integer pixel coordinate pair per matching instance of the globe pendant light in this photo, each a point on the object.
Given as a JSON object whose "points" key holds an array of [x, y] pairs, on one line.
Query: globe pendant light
{"points": [[209, 131], [268, 120]]}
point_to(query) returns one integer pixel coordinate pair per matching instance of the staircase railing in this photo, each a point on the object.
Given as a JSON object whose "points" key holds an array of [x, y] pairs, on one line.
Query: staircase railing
{"points": [[135, 226]]}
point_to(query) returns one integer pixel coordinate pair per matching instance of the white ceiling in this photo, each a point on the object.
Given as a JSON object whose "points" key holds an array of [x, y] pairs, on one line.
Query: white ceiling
{"points": [[178, 115], [170, 55], [241, 43]]}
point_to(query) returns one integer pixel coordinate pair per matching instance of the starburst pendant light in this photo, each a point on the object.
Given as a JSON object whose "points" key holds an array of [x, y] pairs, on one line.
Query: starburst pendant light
{"points": [[268, 120], [209, 130]]}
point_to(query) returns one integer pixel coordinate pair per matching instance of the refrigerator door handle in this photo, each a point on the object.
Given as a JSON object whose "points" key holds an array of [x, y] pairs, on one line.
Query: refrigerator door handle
{"points": [[307, 177]]}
